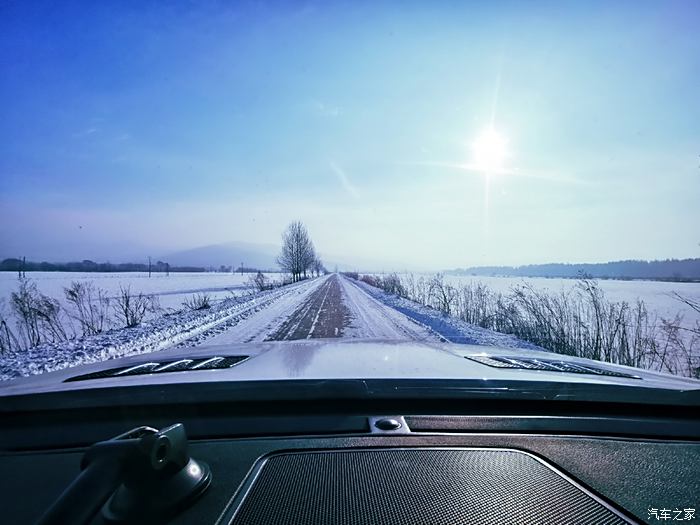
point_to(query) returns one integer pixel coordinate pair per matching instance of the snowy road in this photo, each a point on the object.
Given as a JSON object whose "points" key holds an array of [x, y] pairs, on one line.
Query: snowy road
{"points": [[266, 321], [322, 314], [331, 306]]}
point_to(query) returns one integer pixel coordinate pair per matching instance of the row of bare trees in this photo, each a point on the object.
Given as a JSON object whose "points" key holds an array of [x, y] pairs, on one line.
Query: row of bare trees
{"points": [[298, 256], [580, 322]]}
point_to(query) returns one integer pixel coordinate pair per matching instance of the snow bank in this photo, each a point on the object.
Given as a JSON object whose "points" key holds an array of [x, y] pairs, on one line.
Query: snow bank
{"points": [[448, 328]]}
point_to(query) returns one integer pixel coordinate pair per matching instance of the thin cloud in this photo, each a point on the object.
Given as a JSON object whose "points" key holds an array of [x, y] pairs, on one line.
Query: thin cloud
{"points": [[344, 180], [324, 109], [85, 132]]}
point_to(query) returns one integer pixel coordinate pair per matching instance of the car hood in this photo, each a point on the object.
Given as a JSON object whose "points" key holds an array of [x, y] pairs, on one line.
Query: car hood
{"points": [[332, 359]]}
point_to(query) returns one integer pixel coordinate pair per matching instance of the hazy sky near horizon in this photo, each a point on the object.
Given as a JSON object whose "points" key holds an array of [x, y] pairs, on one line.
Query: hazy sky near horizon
{"points": [[145, 128]]}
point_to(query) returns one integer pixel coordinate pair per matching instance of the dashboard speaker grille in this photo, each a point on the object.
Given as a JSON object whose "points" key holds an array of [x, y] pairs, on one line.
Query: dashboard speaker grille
{"points": [[414, 486]]}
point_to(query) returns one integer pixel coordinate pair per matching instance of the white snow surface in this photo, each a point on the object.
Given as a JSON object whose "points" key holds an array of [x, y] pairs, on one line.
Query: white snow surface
{"points": [[447, 328], [157, 334], [170, 290], [263, 323], [374, 320]]}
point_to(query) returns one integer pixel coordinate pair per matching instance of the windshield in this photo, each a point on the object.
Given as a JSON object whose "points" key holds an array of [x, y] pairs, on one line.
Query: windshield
{"points": [[519, 180]]}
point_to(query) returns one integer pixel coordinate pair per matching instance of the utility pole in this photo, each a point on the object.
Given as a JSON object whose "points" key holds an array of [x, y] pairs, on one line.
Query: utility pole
{"points": [[149, 266], [167, 269]]}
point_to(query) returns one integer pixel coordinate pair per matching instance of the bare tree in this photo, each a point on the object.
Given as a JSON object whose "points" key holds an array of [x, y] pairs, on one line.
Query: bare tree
{"points": [[441, 294], [298, 253], [90, 306], [131, 309], [39, 316], [317, 267], [8, 339], [259, 282], [308, 258]]}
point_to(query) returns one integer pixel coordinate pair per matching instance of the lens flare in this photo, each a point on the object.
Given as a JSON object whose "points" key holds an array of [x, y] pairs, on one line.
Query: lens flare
{"points": [[490, 151]]}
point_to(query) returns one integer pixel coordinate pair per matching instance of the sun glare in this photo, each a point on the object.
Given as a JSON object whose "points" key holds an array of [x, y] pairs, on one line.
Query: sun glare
{"points": [[489, 151]]}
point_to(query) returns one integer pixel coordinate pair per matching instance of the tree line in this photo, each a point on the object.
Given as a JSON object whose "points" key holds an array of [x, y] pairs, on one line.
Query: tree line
{"points": [[667, 270], [20, 265]]}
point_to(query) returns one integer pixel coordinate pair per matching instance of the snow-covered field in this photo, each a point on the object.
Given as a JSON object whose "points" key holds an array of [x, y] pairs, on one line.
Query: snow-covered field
{"points": [[170, 290], [657, 295]]}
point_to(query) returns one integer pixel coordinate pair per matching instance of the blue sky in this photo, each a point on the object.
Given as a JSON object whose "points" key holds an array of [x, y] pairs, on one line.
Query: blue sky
{"points": [[148, 128]]}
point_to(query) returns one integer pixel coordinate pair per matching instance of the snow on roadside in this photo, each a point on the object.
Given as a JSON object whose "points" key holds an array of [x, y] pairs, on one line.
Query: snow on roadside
{"points": [[261, 326], [450, 329], [156, 334], [371, 318]]}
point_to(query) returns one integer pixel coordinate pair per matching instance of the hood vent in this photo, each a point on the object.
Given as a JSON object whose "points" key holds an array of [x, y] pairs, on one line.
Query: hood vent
{"points": [[153, 367], [547, 365]]}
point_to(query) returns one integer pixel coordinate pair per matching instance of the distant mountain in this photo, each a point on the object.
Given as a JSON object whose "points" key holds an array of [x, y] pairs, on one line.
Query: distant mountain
{"points": [[667, 270], [261, 256]]}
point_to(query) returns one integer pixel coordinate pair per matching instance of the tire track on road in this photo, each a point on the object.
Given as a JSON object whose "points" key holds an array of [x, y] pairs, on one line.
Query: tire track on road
{"points": [[323, 314]]}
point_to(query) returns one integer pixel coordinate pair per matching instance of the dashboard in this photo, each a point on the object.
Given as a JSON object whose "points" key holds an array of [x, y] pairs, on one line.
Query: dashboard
{"points": [[358, 462]]}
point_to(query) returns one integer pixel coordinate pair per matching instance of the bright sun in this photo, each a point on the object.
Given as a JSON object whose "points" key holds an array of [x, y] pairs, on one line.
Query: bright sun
{"points": [[489, 151]]}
